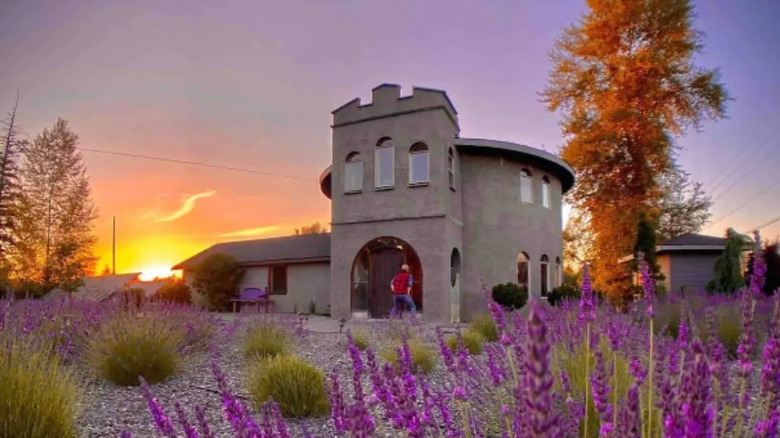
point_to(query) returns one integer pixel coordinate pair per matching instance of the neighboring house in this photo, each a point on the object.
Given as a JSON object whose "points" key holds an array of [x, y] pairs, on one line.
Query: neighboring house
{"points": [[405, 188], [99, 288], [687, 261], [150, 287], [295, 269]]}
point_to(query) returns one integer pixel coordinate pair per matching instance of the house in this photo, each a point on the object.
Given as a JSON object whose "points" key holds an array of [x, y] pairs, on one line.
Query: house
{"points": [[150, 288], [98, 289], [294, 269], [687, 261], [406, 188]]}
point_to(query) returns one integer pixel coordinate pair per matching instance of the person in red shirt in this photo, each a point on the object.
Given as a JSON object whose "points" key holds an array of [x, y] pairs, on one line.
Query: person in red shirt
{"points": [[401, 285]]}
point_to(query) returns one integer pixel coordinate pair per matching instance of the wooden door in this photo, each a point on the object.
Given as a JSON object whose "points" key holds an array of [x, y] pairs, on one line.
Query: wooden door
{"points": [[384, 264]]}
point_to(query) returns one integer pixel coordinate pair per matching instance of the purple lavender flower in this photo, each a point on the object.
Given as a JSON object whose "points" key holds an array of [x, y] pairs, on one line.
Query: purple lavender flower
{"points": [[647, 284], [630, 420], [600, 389], [758, 276], [200, 415], [637, 371], [615, 336], [587, 306], [189, 431], [538, 380], [161, 421], [125, 434]]}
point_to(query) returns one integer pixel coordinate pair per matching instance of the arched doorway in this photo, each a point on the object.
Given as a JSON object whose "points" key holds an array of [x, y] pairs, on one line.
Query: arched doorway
{"points": [[373, 270]]}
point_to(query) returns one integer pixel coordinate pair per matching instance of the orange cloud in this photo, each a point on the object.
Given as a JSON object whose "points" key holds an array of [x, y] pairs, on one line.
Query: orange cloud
{"points": [[187, 205], [250, 232]]}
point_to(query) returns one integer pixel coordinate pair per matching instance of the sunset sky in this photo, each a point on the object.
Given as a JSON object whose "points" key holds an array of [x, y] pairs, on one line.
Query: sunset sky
{"points": [[251, 84]]}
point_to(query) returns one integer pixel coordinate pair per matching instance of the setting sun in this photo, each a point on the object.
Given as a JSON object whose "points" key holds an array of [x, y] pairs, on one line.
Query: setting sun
{"points": [[157, 271]]}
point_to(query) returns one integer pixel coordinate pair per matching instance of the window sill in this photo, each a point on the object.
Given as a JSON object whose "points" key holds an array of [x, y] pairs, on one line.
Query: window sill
{"points": [[352, 192], [383, 188], [420, 184]]}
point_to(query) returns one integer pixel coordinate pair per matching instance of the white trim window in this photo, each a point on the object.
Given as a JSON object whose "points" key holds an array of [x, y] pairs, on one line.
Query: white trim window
{"points": [[419, 164], [557, 281], [546, 192], [384, 157], [526, 186], [353, 173]]}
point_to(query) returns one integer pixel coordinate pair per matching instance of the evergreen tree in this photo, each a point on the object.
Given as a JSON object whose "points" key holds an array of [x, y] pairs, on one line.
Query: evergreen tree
{"points": [[728, 277], [9, 184], [646, 244], [56, 212], [624, 80]]}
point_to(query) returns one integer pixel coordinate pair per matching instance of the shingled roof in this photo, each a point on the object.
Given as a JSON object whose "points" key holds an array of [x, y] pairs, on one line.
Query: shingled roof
{"points": [[691, 239], [288, 249], [97, 288]]}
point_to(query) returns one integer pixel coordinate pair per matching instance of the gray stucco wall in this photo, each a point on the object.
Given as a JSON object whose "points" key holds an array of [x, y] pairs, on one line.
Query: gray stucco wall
{"points": [[691, 271], [497, 226]]}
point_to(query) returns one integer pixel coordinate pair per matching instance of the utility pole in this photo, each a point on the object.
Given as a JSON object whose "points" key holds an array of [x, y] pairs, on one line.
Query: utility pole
{"points": [[113, 250]]}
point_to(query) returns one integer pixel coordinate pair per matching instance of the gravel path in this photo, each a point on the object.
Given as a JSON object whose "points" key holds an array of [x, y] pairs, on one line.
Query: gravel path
{"points": [[108, 409]]}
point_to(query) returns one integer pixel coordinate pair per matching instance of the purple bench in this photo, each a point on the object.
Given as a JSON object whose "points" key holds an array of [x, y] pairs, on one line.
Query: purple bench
{"points": [[252, 295]]}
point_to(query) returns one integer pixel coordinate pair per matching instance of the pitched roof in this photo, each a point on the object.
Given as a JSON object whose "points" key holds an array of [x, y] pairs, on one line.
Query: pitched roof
{"points": [[150, 287], [306, 247], [97, 288], [692, 239]]}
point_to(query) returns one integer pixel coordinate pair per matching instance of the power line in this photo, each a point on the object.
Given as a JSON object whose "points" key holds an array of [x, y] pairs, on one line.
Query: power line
{"points": [[744, 174], [195, 163], [756, 196], [767, 223], [737, 166]]}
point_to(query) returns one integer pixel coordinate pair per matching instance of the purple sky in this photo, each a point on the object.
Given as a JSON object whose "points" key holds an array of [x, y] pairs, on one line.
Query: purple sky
{"points": [[252, 84]]}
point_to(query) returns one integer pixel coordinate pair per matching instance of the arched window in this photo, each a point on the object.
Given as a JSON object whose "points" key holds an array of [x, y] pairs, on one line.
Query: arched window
{"points": [[544, 275], [546, 192], [522, 270], [451, 167], [526, 186], [419, 164], [353, 173], [385, 163], [454, 266], [557, 272]]}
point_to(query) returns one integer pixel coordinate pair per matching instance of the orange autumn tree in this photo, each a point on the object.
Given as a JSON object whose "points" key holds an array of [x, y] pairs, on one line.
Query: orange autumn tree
{"points": [[624, 81]]}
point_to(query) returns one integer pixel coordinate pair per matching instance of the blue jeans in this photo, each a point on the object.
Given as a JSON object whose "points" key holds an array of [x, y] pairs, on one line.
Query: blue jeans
{"points": [[400, 300]]}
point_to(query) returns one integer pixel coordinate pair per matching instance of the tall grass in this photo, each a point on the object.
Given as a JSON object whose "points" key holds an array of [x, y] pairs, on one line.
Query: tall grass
{"points": [[265, 340], [295, 385], [126, 347], [38, 396]]}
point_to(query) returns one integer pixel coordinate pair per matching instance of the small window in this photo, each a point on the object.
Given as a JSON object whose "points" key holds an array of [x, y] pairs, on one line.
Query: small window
{"points": [[451, 167], [419, 164], [526, 186], [557, 272], [544, 275], [522, 269], [353, 173], [278, 279], [454, 266], [546, 192], [385, 163]]}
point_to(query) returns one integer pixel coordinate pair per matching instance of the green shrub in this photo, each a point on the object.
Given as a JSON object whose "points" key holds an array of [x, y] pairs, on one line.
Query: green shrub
{"points": [[39, 396], [423, 356], [472, 339], [511, 296], [360, 339], [265, 340], [484, 324], [566, 291], [216, 278], [296, 386], [176, 292], [127, 347]]}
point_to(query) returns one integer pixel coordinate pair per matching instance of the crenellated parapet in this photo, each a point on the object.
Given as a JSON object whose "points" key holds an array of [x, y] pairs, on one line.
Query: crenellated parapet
{"points": [[386, 101]]}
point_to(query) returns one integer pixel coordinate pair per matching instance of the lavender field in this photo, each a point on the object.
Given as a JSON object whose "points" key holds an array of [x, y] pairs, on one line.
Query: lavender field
{"points": [[673, 366]]}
